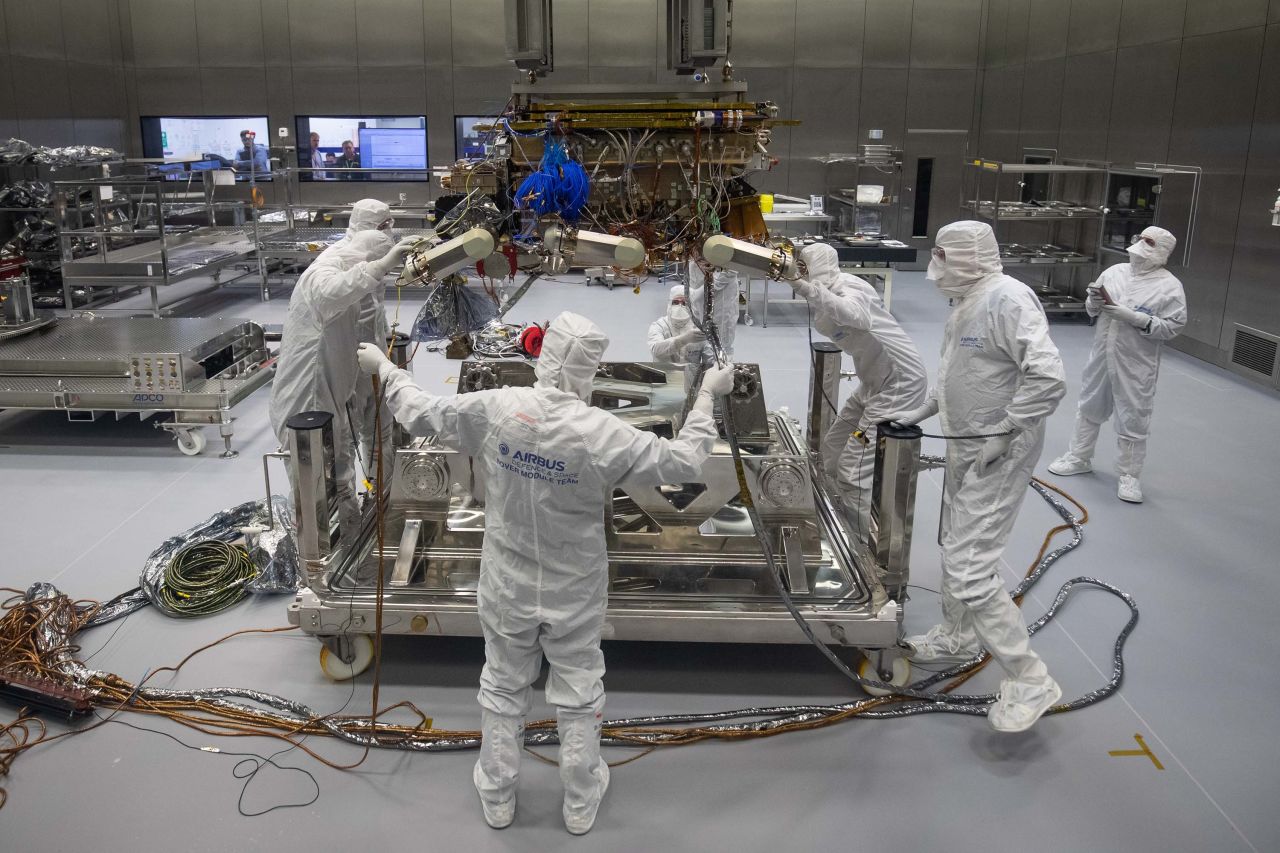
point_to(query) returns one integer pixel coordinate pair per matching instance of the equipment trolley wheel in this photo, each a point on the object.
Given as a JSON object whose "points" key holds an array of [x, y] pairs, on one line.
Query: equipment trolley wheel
{"points": [[346, 656], [191, 441], [899, 666]]}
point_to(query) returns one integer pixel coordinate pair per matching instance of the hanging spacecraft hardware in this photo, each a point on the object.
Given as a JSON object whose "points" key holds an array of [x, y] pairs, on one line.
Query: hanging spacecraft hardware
{"points": [[663, 165]]}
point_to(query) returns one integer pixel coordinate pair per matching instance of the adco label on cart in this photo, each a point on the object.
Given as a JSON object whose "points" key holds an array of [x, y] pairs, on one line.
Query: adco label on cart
{"points": [[148, 398]]}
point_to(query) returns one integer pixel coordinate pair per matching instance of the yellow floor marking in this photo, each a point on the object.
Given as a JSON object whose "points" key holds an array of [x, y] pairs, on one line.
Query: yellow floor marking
{"points": [[1146, 750]]}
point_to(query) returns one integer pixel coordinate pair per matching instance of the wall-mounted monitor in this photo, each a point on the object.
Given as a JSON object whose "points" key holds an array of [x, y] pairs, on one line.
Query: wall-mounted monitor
{"points": [[329, 146], [469, 142], [209, 142]]}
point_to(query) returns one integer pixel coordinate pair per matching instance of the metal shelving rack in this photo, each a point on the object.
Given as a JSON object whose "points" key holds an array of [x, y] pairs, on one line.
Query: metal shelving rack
{"points": [[854, 216], [147, 249], [1047, 244]]}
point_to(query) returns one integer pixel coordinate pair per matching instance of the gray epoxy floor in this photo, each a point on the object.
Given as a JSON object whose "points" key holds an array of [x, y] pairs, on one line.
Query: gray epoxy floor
{"points": [[85, 503]]}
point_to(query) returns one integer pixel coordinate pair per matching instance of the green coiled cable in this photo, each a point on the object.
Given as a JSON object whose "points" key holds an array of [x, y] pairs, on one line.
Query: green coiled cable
{"points": [[205, 577]]}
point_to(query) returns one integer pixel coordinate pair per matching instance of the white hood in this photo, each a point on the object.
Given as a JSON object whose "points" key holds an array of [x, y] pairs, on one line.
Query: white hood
{"points": [[571, 352], [972, 256], [366, 215], [1144, 258], [678, 314]]}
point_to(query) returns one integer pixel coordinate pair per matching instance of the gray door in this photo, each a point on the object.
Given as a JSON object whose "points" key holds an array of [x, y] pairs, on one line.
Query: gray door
{"points": [[931, 175]]}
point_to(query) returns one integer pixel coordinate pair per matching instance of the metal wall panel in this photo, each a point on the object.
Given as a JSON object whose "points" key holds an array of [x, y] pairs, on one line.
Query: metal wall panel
{"points": [[321, 33], [279, 83], [47, 131], [477, 32], [1142, 102], [1273, 16], [1217, 16], [275, 32], [826, 103], [944, 33], [390, 32], [941, 98], [97, 91], [393, 91], [41, 88], [1017, 30], [1047, 29], [482, 91], [569, 21], [35, 29], [1041, 114], [764, 33], [995, 51], [235, 91], [1253, 298], [1147, 21], [1213, 111], [107, 132], [90, 31], [886, 41], [768, 84], [229, 33], [884, 104], [8, 109], [440, 115], [620, 33], [164, 33], [1086, 105], [1094, 25], [168, 91], [326, 91], [1001, 112], [829, 33]]}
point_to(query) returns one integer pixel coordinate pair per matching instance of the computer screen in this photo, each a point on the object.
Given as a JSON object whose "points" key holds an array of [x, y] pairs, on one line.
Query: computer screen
{"points": [[393, 148], [329, 146]]}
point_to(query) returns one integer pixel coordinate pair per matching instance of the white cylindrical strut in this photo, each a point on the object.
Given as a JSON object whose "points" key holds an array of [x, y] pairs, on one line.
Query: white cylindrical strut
{"points": [[450, 256], [593, 248], [740, 256]]}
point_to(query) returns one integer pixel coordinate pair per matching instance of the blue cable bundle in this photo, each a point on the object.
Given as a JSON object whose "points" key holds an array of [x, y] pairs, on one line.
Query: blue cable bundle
{"points": [[559, 186]]}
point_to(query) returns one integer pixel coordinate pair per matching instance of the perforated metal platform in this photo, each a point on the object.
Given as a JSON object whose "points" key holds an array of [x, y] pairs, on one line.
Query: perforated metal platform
{"points": [[102, 346]]}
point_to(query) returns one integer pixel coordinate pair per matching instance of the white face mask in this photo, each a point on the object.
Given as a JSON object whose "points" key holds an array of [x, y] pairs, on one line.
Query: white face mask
{"points": [[946, 279], [1140, 258], [678, 315]]}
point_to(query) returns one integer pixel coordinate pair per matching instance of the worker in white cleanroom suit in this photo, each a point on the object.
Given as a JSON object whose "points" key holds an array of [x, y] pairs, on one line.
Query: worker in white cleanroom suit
{"points": [[316, 370], [999, 377], [672, 335], [369, 214], [1140, 305], [724, 311], [550, 464], [891, 376]]}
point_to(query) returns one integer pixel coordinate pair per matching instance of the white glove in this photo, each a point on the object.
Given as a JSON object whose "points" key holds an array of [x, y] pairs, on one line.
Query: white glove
{"points": [[718, 381], [1121, 312], [689, 337], [991, 452], [394, 258], [372, 359], [1093, 297], [915, 416]]}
